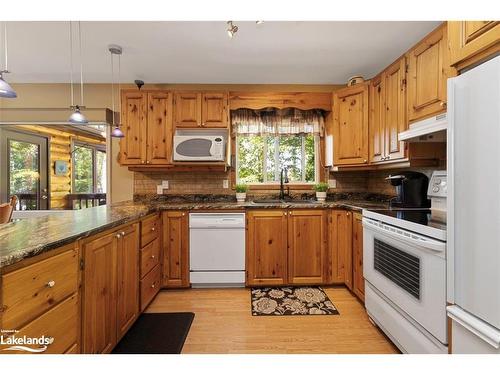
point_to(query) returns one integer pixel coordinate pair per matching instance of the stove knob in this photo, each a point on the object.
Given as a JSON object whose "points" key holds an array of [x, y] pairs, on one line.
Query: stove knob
{"points": [[435, 189], [437, 181]]}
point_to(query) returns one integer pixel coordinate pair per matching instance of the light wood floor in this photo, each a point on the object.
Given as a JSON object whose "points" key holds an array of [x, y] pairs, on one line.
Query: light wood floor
{"points": [[223, 324]]}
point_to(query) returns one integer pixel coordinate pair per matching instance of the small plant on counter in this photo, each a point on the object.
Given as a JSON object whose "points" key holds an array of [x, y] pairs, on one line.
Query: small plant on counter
{"points": [[241, 192], [321, 188]]}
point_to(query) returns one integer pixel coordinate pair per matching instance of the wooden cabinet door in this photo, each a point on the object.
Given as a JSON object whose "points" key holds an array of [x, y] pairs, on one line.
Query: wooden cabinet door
{"points": [[350, 107], [307, 257], [376, 123], [473, 39], [187, 109], [357, 256], [127, 279], [175, 249], [395, 113], [134, 120], [266, 247], [214, 110], [340, 243], [160, 134], [99, 295], [428, 68]]}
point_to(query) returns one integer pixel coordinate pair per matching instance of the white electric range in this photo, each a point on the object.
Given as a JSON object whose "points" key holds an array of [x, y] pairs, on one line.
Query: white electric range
{"points": [[404, 265]]}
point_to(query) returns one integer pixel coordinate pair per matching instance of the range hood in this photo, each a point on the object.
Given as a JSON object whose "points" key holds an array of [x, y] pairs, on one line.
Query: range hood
{"points": [[429, 130]]}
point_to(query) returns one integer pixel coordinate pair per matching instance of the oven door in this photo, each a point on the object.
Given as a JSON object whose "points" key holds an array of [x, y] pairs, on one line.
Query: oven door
{"points": [[410, 271]]}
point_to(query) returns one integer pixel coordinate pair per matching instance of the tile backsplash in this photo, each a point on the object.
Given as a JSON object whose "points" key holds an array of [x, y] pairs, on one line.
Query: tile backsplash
{"points": [[212, 182]]}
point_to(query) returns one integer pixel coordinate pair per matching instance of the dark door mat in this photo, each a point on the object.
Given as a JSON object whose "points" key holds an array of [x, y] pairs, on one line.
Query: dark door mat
{"points": [[304, 300], [156, 333]]}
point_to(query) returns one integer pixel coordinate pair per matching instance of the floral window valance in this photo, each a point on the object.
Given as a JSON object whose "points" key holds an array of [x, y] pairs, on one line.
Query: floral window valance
{"points": [[273, 121]]}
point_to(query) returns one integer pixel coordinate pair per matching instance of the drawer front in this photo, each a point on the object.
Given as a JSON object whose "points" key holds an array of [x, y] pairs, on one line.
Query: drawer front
{"points": [[32, 290], [150, 285], [150, 228], [150, 256], [59, 323]]}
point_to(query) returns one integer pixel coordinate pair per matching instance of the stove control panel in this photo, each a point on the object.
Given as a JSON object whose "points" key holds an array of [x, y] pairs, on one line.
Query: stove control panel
{"points": [[437, 185]]}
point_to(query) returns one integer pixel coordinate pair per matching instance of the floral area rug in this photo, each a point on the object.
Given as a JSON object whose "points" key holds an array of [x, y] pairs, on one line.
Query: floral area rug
{"points": [[291, 301]]}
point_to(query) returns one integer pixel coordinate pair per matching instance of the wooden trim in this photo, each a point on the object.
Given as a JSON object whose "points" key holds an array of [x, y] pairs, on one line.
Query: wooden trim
{"points": [[301, 100]]}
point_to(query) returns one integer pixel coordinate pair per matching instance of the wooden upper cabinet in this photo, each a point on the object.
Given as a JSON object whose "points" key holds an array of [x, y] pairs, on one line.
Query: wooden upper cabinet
{"points": [[307, 255], [395, 111], [358, 285], [340, 242], [127, 279], [134, 120], [206, 109], [159, 129], [350, 106], [266, 247], [175, 249], [376, 122], [214, 110], [187, 109], [99, 295], [428, 70], [472, 41]]}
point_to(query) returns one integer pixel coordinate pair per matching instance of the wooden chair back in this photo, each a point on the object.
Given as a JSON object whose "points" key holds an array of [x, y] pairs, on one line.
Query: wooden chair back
{"points": [[6, 210]]}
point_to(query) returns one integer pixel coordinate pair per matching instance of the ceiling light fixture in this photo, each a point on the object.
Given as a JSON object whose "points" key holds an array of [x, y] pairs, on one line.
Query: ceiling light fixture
{"points": [[115, 50], [259, 22], [6, 91], [76, 117], [231, 29]]}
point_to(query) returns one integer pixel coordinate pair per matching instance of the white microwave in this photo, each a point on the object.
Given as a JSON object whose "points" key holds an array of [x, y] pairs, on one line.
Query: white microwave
{"points": [[199, 147]]}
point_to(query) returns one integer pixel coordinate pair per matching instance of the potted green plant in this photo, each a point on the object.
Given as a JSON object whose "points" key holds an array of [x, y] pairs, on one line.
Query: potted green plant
{"points": [[241, 192], [321, 188]]}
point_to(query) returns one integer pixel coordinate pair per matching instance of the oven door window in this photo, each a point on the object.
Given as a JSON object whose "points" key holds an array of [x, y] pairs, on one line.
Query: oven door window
{"points": [[401, 268]]}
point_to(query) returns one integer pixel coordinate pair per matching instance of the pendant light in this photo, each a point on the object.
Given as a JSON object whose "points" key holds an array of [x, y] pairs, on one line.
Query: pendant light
{"points": [[76, 117], [6, 91], [115, 50]]}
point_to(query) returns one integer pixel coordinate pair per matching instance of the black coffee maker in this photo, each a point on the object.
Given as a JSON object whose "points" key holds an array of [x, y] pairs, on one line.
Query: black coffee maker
{"points": [[411, 190]]}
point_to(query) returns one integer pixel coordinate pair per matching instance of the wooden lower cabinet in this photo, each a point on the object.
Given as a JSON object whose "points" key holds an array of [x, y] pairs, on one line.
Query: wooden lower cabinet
{"points": [[266, 239], [340, 243], [286, 247], [110, 283], [99, 295], [358, 286], [307, 255], [127, 279], [175, 249]]}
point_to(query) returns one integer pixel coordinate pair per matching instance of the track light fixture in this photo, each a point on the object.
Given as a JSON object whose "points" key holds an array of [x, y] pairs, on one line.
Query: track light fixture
{"points": [[231, 29]]}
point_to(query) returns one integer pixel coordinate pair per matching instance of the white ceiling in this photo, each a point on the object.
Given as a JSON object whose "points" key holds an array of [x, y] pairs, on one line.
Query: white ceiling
{"points": [[201, 52]]}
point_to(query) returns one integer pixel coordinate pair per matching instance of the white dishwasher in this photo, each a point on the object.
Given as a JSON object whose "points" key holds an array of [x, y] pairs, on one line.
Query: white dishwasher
{"points": [[217, 249]]}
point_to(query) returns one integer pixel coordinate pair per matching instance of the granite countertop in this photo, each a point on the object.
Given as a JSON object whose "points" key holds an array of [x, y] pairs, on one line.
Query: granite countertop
{"points": [[26, 238]]}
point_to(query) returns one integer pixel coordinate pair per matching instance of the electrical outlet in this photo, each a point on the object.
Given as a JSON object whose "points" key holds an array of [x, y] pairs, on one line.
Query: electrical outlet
{"points": [[332, 184], [164, 184], [159, 189], [225, 184]]}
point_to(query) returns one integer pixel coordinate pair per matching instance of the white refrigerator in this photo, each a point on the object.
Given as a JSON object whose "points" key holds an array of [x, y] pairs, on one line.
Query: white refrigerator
{"points": [[473, 258]]}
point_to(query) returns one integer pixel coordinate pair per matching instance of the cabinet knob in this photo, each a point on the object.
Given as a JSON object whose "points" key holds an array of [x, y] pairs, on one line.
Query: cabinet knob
{"points": [[183, 214], [118, 235], [122, 233], [147, 162], [285, 213], [142, 161], [202, 124], [153, 229], [364, 161], [442, 104], [152, 256], [51, 283], [153, 286]]}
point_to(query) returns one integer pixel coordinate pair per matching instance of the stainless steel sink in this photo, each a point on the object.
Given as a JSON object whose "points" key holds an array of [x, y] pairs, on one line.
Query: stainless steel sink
{"points": [[285, 201], [266, 201]]}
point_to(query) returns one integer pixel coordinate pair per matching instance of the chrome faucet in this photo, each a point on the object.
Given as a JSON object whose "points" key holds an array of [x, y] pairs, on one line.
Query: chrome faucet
{"points": [[283, 181]]}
